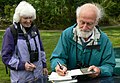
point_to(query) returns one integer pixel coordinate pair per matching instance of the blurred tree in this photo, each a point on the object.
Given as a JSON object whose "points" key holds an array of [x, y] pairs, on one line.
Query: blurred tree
{"points": [[59, 14]]}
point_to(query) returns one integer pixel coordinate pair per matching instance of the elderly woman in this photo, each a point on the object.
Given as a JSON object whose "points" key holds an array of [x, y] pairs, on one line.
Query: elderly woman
{"points": [[25, 57]]}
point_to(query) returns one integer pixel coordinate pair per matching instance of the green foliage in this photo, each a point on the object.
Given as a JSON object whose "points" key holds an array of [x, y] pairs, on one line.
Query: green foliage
{"points": [[111, 9], [50, 13], [9, 11], [59, 14]]}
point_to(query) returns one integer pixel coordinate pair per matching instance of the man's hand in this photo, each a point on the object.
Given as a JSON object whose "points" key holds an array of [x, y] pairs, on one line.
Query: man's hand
{"points": [[62, 71], [29, 66], [96, 69]]}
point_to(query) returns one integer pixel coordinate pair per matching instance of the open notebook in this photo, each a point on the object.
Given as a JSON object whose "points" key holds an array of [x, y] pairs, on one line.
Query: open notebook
{"points": [[75, 72]]}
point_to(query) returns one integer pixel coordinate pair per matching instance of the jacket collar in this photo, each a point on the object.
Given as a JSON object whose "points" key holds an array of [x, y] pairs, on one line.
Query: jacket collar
{"points": [[93, 39], [73, 36]]}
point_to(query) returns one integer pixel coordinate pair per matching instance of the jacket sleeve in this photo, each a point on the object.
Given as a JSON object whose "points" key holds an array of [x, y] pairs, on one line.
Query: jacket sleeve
{"points": [[8, 49], [43, 55], [107, 60], [60, 52]]}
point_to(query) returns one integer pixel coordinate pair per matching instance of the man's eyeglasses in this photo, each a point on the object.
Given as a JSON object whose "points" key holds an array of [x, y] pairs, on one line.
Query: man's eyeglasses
{"points": [[87, 23]]}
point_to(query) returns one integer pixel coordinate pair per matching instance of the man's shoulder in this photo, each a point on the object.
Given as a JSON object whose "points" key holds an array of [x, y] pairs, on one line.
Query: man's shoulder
{"points": [[104, 35], [104, 38]]}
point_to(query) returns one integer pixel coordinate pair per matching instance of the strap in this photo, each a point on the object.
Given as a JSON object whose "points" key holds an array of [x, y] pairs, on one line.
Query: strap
{"points": [[36, 29], [76, 47], [28, 43], [35, 43], [26, 38], [6, 69], [14, 33], [93, 47], [90, 55], [79, 63], [15, 36]]}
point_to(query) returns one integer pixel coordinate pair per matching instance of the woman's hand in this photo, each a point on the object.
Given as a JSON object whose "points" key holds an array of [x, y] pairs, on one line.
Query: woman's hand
{"points": [[45, 71], [29, 66]]}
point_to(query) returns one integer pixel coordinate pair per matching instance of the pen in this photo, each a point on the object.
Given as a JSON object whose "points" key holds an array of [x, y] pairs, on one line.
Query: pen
{"points": [[60, 65], [32, 65], [28, 62]]}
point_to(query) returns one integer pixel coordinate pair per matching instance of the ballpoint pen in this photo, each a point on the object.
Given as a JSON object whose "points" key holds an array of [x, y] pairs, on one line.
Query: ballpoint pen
{"points": [[61, 67], [28, 62]]}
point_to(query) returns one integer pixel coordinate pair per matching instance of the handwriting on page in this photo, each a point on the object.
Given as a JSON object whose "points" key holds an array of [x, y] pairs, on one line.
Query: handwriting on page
{"points": [[55, 76]]}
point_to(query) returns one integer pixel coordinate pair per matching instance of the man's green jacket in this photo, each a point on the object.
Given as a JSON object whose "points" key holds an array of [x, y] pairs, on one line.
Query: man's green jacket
{"points": [[69, 53]]}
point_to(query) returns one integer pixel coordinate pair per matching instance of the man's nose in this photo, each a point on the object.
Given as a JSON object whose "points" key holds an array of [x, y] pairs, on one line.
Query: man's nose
{"points": [[84, 26]]}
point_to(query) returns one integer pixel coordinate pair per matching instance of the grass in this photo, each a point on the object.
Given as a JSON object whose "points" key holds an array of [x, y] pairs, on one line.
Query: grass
{"points": [[50, 39], [114, 35]]}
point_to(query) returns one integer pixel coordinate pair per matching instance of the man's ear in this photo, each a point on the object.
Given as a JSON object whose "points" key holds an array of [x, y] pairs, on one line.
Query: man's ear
{"points": [[96, 23], [77, 20]]}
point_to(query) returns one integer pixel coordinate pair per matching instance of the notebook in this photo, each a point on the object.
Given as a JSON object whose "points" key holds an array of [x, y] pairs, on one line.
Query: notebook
{"points": [[75, 72]]}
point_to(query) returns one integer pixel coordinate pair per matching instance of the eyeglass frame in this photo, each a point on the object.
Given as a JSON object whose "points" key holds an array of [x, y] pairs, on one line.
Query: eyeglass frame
{"points": [[81, 22]]}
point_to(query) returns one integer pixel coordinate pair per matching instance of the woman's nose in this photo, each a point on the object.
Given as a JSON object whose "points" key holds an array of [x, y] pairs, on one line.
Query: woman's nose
{"points": [[28, 20]]}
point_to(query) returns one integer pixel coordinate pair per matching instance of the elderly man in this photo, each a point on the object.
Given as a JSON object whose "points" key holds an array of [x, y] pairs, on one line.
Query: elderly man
{"points": [[84, 45]]}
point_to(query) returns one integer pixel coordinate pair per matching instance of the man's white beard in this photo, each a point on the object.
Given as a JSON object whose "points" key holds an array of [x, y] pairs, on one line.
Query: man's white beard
{"points": [[84, 34]]}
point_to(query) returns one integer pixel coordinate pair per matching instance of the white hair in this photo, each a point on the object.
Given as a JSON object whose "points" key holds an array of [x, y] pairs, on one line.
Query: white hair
{"points": [[98, 8], [24, 9]]}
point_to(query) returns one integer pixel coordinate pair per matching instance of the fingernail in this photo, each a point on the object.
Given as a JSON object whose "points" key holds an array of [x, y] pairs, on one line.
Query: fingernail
{"points": [[88, 70]]}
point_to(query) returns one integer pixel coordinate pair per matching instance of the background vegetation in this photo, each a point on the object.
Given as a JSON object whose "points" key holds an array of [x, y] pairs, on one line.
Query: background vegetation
{"points": [[59, 14]]}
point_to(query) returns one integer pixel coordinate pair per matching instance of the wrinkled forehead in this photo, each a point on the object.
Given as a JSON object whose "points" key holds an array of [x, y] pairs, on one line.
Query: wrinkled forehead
{"points": [[88, 13]]}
